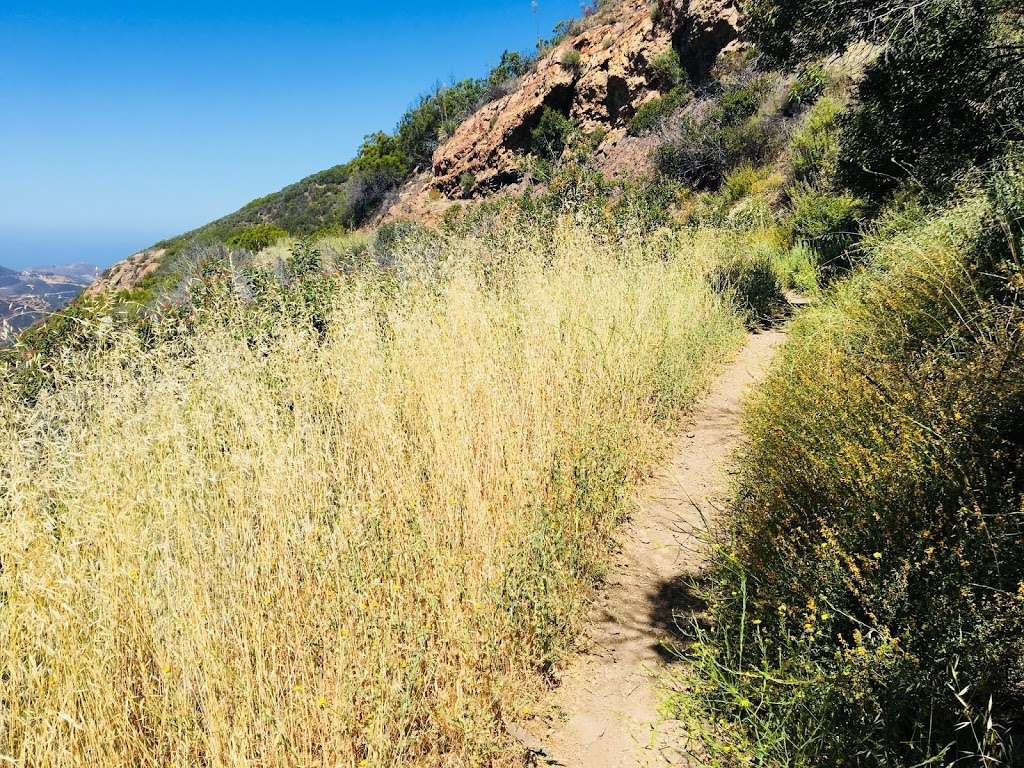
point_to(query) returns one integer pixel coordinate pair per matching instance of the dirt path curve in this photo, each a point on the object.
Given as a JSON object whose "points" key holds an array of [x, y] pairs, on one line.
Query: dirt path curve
{"points": [[608, 697]]}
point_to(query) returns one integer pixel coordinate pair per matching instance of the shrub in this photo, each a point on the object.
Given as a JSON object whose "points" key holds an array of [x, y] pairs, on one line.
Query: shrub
{"points": [[467, 182], [814, 148], [653, 114], [797, 269], [808, 86], [668, 70], [551, 135], [867, 605], [697, 158], [437, 115], [749, 278], [827, 223], [512, 66], [255, 239], [946, 93], [738, 184], [572, 60], [740, 101]]}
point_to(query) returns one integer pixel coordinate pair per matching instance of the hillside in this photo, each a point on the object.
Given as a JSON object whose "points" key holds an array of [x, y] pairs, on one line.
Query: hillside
{"points": [[654, 400], [596, 72]]}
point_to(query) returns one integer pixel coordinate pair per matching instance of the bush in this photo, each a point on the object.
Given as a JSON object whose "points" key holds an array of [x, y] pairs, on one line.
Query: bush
{"points": [[653, 114], [808, 86], [255, 239], [814, 148], [512, 66], [551, 136], [867, 606], [827, 223], [572, 60], [946, 93], [738, 184], [797, 269], [697, 158], [740, 101], [749, 278], [668, 70]]}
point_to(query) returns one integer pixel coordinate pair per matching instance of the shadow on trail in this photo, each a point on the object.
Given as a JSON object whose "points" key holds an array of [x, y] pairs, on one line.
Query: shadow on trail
{"points": [[675, 606]]}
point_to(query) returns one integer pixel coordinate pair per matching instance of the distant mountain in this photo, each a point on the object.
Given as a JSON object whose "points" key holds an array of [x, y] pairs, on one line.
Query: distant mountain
{"points": [[29, 295]]}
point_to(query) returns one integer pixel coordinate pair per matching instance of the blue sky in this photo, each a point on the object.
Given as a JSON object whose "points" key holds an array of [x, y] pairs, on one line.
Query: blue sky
{"points": [[125, 122]]}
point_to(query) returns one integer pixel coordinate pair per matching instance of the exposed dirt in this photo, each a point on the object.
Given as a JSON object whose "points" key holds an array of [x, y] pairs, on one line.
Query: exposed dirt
{"points": [[605, 712]]}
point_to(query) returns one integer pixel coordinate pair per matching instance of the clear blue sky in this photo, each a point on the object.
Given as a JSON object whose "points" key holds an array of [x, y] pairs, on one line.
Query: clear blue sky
{"points": [[125, 122]]}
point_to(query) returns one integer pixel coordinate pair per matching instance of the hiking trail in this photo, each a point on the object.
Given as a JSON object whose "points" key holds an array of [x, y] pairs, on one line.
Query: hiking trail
{"points": [[604, 714]]}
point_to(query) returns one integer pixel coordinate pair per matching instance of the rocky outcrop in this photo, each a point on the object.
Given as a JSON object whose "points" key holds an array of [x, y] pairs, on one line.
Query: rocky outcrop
{"points": [[127, 274], [600, 87]]}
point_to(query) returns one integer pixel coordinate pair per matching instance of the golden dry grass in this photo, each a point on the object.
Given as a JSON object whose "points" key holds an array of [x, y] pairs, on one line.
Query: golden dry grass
{"points": [[358, 552]]}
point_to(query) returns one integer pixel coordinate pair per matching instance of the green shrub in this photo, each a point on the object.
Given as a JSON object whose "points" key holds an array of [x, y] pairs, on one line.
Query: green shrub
{"points": [[467, 182], [867, 604], [512, 66], [797, 269], [572, 60], [652, 115], [696, 158], [707, 148], [668, 70], [740, 101], [946, 93], [749, 277], [827, 223], [808, 87], [814, 148], [755, 140], [551, 136], [738, 184], [255, 239]]}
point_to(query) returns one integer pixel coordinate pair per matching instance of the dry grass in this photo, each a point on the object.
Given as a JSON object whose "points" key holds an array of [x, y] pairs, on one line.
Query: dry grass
{"points": [[350, 553]]}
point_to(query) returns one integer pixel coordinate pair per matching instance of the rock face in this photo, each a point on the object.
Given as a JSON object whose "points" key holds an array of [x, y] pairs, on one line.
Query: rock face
{"points": [[126, 274], [613, 78]]}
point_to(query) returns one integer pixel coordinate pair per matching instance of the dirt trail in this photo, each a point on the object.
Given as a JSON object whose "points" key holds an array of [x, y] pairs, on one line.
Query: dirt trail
{"points": [[606, 707]]}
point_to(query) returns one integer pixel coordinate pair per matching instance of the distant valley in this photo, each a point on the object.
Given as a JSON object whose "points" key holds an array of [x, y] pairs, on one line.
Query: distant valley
{"points": [[27, 296]]}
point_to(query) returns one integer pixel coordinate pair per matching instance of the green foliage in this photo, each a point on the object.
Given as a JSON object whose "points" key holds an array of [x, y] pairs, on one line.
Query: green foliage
{"points": [[722, 133], [254, 239], [513, 65], [808, 87], [946, 93], [668, 70], [740, 101], [749, 278], [550, 137], [814, 148], [867, 605], [797, 269], [652, 115], [571, 60], [738, 184], [827, 223], [697, 158], [436, 117]]}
